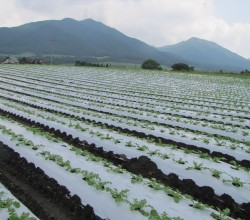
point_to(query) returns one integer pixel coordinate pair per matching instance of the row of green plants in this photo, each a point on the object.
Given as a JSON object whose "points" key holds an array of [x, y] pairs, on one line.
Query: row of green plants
{"points": [[11, 206]]}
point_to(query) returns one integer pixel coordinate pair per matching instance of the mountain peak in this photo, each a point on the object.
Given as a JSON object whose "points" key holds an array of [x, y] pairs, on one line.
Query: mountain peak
{"points": [[90, 20], [194, 39], [68, 19], [87, 20], [203, 53]]}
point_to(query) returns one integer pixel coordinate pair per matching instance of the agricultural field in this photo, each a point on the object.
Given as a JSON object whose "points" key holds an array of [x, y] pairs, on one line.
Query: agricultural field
{"points": [[123, 144]]}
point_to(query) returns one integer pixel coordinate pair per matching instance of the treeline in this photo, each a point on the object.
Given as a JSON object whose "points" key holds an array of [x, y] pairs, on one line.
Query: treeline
{"points": [[245, 72], [84, 63], [154, 65], [182, 67]]}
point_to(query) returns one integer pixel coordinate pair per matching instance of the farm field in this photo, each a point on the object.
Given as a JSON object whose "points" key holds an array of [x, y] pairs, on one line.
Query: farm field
{"points": [[123, 144]]}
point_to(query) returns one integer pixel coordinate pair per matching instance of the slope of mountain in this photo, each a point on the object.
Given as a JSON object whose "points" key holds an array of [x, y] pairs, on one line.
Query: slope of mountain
{"points": [[207, 55], [80, 39]]}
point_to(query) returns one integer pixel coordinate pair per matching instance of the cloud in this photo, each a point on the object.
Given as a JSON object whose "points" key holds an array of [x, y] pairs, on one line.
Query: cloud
{"points": [[158, 22], [8, 12], [164, 22]]}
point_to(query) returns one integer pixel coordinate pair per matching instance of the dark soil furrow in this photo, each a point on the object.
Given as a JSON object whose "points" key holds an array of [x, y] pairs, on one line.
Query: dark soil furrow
{"points": [[41, 194]]}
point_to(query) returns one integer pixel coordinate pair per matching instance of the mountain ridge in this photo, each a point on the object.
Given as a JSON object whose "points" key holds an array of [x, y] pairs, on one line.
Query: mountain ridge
{"points": [[87, 38], [90, 39]]}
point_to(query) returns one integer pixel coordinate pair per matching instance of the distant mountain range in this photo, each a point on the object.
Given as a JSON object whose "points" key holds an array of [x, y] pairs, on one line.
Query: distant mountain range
{"points": [[92, 40]]}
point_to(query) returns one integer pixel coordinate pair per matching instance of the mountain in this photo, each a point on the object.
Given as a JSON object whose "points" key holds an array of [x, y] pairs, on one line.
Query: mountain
{"points": [[207, 55], [90, 40], [80, 40]]}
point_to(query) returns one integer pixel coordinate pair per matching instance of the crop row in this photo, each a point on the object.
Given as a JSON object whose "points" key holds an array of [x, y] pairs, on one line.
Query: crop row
{"points": [[11, 208]]}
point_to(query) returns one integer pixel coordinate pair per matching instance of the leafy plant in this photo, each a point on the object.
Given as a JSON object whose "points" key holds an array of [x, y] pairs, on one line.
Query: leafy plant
{"points": [[90, 177], [223, 214], [75, 170], [119, 196], [155, 185], [177, 196], [136, 178], [117, 141], [152, 153], [142, 148], [129, 144], [11, 205], [206, 140], [199, 205], [197, 166], [204, 155], [235, 181], [101, 185], [164, 156], [180, 161], [140, 206], [236, 166], [216, 173], [116, 169], [245, 133], [154, 215]]}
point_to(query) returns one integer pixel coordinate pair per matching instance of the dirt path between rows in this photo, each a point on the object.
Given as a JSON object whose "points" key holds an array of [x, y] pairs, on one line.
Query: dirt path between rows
{"points": [[31, 190]]}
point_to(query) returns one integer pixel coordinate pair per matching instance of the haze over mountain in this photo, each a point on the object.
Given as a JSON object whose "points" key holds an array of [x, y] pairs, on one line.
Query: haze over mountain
{"points": [[92, 40], [207, 55]]}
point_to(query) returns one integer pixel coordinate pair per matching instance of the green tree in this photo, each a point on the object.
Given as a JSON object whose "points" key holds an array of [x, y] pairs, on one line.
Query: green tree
{"points": [[182, 66], [151, 65]]}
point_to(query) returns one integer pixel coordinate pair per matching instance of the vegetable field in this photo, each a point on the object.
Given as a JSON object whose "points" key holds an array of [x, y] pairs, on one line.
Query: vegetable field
{"points": [[122, 144]]}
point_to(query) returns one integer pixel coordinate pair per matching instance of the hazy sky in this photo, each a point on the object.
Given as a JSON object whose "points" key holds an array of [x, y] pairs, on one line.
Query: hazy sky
{"points": [[156, 22]]}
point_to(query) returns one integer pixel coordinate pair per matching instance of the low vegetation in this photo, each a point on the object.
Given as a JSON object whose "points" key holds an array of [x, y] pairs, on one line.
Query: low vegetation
{"points": [[182, 67], [85, 63], [151, 65]]}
